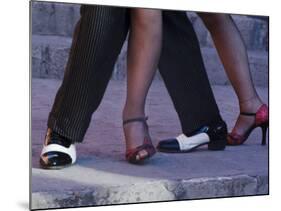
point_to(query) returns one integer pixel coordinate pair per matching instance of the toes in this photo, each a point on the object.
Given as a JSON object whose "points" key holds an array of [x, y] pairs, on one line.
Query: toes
{"points": [[142, 154]]}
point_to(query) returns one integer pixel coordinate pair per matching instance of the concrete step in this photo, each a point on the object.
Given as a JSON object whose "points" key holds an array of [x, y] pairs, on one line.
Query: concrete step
{"points": [[137, 190], [49, 56], [101, 176], [50, 53], [253, 29], [58, 19], [258, 65]]}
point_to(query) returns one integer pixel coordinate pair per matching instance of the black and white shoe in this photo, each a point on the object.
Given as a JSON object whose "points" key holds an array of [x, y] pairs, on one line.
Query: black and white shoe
{"points": [[213, 135], [58, 152]]}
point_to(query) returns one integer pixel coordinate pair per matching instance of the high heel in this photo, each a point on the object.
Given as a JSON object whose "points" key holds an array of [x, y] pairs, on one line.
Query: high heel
{"points": [[133, 155], [261, 120], [264, 130]]}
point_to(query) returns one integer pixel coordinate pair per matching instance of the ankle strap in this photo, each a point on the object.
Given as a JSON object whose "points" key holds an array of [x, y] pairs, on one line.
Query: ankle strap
{"points": [[247, 114], [137, 119], [263, 106]]}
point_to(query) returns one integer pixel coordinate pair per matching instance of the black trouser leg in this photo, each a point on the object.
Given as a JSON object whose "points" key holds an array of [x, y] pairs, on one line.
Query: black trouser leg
{"points": [[97, 41], [184, 74]]}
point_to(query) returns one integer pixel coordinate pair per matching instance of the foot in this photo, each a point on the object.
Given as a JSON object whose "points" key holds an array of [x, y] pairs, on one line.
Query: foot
{"points": [[259, 118], [244, 122], [214, 135], [138, 142], [58, 152]]}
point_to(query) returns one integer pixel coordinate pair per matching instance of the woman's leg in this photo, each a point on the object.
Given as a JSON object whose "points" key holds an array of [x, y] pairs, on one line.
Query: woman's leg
{"points": [[144, 48], [233, 54]]}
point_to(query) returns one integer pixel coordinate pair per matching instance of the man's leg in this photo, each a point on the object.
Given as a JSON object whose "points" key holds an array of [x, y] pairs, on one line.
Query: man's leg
{"points": [[184, 74], [97, 42], [185, 77]]}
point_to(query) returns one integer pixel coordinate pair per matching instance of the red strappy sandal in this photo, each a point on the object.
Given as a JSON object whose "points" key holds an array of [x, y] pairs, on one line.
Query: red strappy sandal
{"points": [[261, 120], [133, 155]]}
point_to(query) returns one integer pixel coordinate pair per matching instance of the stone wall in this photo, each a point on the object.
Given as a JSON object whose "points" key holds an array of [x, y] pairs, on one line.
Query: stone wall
{"points": [[52, 28]]}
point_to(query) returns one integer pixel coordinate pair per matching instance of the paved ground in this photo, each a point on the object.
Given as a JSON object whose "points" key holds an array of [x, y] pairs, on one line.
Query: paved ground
{"points": [[101, 175]]}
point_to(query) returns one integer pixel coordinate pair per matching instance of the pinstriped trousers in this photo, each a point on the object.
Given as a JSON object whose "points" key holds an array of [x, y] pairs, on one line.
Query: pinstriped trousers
{"points": [[97, 41]]}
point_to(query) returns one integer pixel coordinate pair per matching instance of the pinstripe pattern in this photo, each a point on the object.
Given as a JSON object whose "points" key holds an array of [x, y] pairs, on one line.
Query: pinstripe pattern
{"points": [[99, 36], [97, 41]]}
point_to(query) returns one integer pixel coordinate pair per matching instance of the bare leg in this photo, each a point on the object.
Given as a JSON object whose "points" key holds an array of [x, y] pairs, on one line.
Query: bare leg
{"points": [[233, 54], [144, 49]]}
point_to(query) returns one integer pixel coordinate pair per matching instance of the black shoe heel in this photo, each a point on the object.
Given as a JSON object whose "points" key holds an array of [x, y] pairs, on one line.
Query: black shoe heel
{"points": [[264, 130], [217, 144], [218, 136]]}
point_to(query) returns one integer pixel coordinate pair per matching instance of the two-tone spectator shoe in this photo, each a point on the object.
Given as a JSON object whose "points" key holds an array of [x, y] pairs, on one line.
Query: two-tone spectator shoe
{"points": [[215, 136], [58, 152]]}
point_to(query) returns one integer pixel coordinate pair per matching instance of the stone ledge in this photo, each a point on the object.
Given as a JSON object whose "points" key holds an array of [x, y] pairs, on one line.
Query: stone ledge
{"points": [[258, 61], [49, 18], [50, 53], [60, 19], [166, 190], [49, 56]]}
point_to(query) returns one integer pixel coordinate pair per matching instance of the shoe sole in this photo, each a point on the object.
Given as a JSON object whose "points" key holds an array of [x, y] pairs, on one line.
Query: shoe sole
{"points": [[55, 167]]}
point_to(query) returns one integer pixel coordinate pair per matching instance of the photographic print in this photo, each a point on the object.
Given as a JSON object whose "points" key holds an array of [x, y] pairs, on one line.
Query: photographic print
{"points": [[134, 105]]}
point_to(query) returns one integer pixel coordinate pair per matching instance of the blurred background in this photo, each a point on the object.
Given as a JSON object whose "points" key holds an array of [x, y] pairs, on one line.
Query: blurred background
{"points": [[53, 24]]}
